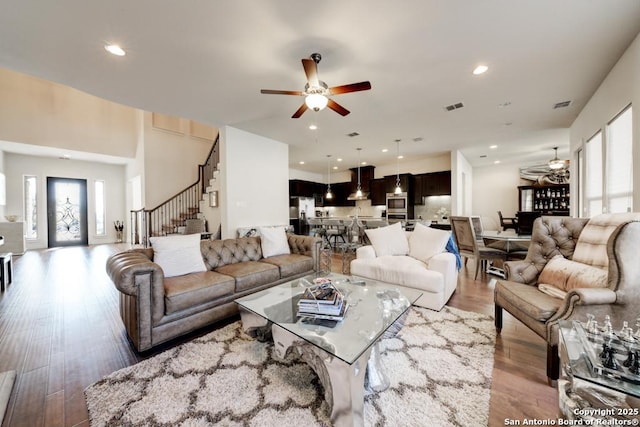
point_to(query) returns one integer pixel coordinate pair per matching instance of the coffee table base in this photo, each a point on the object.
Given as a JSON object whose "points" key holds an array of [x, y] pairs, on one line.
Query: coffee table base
{"points": [[343, 383]]}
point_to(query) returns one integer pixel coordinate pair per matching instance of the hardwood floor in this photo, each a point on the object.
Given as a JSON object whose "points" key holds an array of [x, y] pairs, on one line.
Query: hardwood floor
{"points": [[60, 330]]}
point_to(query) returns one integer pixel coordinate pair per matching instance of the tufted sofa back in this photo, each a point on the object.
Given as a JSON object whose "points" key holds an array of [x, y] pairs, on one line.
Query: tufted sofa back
{"points": [[551, 236], [217, 253]]}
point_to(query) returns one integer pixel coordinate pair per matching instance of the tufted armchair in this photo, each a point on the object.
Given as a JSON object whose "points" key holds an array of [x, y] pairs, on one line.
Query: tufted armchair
{"points": [[155, 308], [597, 264]]}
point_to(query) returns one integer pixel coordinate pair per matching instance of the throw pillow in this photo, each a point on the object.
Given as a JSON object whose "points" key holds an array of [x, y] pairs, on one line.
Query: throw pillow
{"points": [[426, 242], [566, 275], [389, 240], [178, 255], [273, 241]]}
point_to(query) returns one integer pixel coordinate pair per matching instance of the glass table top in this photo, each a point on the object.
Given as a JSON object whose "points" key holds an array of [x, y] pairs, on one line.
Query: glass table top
{"points": [[583, 352], [373, 307]]}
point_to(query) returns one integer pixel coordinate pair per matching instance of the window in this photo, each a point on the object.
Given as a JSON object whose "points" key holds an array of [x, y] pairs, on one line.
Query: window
{"points": [[619, 171], [606, 168], [593, 178], [30, 189], [101, 229]]}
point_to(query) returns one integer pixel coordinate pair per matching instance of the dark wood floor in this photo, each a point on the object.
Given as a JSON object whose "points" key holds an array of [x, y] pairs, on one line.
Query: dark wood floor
{"points": [[60, 330]]}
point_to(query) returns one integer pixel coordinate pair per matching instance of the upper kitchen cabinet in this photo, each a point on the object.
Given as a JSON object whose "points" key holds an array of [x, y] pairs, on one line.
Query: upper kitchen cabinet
{"points": [[366, 175], [378, 191], [406, 183], [436, 184]]}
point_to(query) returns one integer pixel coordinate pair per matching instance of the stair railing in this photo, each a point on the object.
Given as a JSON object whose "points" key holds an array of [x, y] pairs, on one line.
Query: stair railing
{"points": [[168, 216]]}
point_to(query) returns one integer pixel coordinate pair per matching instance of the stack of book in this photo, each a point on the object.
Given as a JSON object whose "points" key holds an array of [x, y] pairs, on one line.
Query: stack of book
{"points": [[322, 301]]}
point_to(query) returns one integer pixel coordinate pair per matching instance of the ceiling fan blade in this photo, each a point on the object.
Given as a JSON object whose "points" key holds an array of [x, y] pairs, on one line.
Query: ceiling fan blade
{"points": [[299, 111], [281, 92], [353, 87], [311, 70], [337, 107]]}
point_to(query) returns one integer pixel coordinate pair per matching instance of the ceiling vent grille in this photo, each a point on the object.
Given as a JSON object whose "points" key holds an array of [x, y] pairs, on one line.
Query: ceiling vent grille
{"points": [[562, 104], [352, 134], [455, 106]]}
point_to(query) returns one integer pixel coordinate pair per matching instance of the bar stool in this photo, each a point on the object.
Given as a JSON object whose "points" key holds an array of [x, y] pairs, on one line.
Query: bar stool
{"points": [[6, 269]]}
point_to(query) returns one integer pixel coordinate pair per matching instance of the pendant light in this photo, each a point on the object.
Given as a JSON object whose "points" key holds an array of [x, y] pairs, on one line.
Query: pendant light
{"points": [[398, 189], [359, 189], [556, 163], [329, 195]]}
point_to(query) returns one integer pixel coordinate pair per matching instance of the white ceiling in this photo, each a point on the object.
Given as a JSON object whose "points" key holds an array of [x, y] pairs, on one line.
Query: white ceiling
{"points": [[207, 60]]}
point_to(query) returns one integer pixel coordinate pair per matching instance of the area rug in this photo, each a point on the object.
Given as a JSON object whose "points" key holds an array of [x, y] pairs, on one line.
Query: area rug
{"points": [[439, 366]]}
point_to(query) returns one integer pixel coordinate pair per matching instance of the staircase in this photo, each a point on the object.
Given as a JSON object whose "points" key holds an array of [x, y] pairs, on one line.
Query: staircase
{"points": [[170, 216]]}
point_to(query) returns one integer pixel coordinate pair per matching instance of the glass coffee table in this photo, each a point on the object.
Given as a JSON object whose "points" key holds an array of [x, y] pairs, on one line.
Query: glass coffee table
{"points": [[340, 353]]}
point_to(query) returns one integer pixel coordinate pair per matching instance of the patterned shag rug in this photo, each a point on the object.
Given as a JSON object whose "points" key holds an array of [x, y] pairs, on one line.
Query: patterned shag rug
{"points": [[439, 366]]}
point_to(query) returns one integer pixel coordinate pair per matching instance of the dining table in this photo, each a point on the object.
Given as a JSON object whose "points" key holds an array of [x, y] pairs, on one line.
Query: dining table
{"points": [[513, 244]]}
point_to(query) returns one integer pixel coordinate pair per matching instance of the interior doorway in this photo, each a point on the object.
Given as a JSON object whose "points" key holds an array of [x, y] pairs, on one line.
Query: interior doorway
{"points": [[67, 212]]}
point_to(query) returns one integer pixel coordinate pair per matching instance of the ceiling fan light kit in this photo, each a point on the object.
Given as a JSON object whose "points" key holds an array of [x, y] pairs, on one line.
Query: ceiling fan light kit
{"points": [[316, 92], [556, 163]]}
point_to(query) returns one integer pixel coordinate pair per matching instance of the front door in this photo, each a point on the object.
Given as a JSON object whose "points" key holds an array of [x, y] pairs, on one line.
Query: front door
{"points": [[67, 211]]}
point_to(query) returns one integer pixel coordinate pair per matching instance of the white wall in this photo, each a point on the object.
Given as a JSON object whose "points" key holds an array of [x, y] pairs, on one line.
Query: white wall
{"points": [[170, 161], [461, 185], [495, 188], [254, 181], [18, 165], [423, 165], [2, 209], [620, 88]]}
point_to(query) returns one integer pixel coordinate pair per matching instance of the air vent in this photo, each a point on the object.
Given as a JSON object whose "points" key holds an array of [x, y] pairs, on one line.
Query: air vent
{"points": [[418, 139], [562, 104], [455, 106], [352, 134]]}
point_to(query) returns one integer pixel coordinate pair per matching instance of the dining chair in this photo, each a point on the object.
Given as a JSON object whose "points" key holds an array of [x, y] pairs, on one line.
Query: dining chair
{"points": [[336, 229], [508, 223], [476, 221], [465, 238]]}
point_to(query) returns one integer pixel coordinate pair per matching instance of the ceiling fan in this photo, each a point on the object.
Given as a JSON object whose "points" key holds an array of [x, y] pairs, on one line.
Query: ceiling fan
{"points": [[316, 92]]}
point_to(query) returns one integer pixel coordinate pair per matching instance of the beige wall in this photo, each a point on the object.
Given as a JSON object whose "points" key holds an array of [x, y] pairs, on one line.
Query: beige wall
{"points": [[495, 188], [38, 112]]}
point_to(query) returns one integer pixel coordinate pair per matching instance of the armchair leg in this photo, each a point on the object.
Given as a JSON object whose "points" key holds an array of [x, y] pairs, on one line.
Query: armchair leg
{"points": [[498, 318], [553, 363]]}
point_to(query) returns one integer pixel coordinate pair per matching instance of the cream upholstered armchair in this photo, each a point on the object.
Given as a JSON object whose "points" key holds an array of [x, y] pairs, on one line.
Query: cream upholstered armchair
{"points": [[574, 266]]}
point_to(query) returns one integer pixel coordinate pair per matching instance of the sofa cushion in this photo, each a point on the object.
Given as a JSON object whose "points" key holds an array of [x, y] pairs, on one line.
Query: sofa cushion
{"points": [[566, 275], [399, 270], [291, 264], [389, 240], [273, 241], [196, 288], [527, 299], [250, 274], [426, 242], [178, 255]]}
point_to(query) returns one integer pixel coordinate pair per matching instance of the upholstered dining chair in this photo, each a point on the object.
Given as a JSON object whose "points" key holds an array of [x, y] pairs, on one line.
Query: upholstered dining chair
{"points": [[592, 262], [465, 238], [335, 229]]}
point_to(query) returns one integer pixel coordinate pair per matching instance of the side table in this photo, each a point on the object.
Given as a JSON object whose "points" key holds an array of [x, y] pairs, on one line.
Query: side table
{"points": [[586, 392]]}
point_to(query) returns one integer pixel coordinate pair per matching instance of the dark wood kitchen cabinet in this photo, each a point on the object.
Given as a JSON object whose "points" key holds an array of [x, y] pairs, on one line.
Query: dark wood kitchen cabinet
{"points": [[406, 182], [378, 192]]}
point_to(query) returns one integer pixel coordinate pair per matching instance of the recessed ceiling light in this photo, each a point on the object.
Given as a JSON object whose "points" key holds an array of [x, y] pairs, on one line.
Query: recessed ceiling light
{"points": [[115, 49], [496, 162], [493, 147], [313, 127], [339, 159], [401, 156], [335, 167], [480, 69], [364, 163], [384, 150], [301, 162]]}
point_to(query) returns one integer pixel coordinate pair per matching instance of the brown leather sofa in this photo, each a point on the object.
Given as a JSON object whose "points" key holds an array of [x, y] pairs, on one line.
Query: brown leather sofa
{"points": [[608, 242], [155, 309]]}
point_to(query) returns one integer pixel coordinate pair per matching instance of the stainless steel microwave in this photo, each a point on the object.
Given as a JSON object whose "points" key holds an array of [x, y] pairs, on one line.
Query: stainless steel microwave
{"points": [[397, 203]]}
